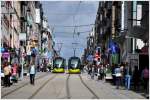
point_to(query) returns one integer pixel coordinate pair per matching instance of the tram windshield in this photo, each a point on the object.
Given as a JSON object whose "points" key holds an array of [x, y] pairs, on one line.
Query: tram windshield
{"points": [[74, 63], [58, 63]]}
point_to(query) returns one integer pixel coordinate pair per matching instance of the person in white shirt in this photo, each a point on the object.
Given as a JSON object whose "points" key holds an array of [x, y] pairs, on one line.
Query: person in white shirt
{"points": [[32, 72]]}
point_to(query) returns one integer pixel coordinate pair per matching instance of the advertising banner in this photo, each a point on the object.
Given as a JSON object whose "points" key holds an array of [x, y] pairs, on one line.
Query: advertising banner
{"points": [[38, 19]]}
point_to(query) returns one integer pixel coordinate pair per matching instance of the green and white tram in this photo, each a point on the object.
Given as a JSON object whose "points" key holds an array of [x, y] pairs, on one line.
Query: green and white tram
{"points": [[59, 65], [74, 65]]}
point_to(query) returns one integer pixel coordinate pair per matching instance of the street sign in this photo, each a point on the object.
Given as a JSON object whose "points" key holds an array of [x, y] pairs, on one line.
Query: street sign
{"points": [[90, 58]]}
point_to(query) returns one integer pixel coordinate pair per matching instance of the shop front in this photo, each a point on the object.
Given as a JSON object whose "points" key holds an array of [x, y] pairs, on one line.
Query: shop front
{"points": [[114, 53]]}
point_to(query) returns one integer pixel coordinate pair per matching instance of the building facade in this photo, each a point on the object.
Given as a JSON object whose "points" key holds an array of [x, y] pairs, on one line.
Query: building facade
{"points": [[22, 32], [119, 28]]}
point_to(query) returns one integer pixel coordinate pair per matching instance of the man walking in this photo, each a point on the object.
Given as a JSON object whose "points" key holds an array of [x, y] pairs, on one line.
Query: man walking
{"points": [[145, 76], [32, 71], [118, 75]]}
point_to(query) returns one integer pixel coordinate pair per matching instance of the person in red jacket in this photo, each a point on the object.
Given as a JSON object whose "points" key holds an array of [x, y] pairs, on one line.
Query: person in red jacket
{"points": [[14, 72]]}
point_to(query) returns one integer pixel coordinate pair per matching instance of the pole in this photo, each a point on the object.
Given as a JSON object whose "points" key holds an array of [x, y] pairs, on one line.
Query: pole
{"points": [[74, 51], [22, 59], [22, 68], [9, 31], [59, 47], [74, 47]]}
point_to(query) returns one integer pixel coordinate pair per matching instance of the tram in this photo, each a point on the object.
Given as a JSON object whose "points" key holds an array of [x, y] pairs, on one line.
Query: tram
{"points": [[74, 65], [59, 65]]}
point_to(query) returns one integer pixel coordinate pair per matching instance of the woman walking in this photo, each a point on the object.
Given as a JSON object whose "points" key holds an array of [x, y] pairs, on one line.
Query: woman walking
{"points": [[7, 74]]}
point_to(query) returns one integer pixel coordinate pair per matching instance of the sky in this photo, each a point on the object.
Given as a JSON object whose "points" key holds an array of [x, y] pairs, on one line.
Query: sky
{"points": [[70, 13]]}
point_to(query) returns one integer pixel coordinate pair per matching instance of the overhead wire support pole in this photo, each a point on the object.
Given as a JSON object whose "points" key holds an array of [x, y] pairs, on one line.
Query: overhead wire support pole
{"points": [[59, 47], [74, 18], [74, 47]]}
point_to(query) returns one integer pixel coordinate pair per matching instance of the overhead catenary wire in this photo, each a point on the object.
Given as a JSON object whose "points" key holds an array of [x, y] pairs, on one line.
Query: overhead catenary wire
{"points": [[73, 32], [85, 13], [73, 26]]}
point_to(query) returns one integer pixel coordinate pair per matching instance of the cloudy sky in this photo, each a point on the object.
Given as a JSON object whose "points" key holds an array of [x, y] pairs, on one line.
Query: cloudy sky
{"points": [[70, 13]]}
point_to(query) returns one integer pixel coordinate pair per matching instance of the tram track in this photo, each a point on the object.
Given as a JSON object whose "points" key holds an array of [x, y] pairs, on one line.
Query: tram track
{"points": [[67, 88], [91, 91], [10, 92], [42, 86]]}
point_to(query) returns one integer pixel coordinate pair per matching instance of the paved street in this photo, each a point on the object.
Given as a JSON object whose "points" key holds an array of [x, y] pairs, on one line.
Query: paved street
{"points": [[46, 44], [65, 86]]}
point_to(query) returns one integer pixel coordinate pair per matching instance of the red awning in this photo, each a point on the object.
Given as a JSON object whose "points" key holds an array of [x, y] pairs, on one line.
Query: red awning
{"points": [[144, 49]]}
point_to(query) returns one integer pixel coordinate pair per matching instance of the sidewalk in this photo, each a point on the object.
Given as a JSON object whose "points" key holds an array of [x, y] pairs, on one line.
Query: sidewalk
{"points": [[15, 86], [104, 88]]}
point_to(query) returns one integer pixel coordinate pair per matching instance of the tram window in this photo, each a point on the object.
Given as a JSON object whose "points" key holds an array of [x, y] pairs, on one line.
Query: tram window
{"points": [[58, 63], [74, 63]]}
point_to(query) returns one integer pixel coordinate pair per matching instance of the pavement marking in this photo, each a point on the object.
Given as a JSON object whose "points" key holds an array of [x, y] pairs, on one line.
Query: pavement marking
{"points": [[67, 88], [41, 87], [10, 92], [95, 96]]}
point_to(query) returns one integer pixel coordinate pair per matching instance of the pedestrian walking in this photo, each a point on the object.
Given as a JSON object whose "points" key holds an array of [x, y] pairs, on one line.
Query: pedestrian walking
{"points": [[19, 71], [136, 76], [105, 70], [89, 69], [101, 72], [49, 67], [118, 75], [127, 76], [145, 77], [7, 74], [32, 71], [122, 74], [113, 74], [98, 71], [41, 67], [93, 70]]}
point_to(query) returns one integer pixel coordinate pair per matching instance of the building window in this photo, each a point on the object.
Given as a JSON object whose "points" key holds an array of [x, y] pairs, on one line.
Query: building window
{"points": [[139, 14], [134, 13], [122, 16]]}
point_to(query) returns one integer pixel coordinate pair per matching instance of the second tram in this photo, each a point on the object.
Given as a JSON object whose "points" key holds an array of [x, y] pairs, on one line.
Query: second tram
{"points": [[74, 65]]}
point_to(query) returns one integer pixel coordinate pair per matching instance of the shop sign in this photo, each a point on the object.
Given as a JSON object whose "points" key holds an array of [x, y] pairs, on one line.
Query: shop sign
{"points": [[37, 19], [133, 56], [90, 58]]}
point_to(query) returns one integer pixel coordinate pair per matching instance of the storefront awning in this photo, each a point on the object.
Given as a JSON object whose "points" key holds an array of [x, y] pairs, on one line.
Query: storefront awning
{"points": [[139, 32]]}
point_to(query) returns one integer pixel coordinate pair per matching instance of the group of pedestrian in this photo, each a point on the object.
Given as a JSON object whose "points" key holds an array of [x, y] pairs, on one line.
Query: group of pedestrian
{"points": [[11, 73], [96, 69], [123, 76]]}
